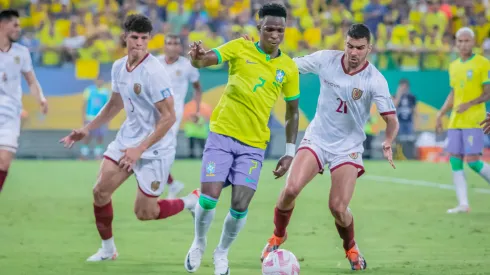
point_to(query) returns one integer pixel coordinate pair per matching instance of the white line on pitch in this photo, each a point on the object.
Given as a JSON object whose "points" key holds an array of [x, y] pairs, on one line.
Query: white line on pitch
{"points": [[421, 183]]}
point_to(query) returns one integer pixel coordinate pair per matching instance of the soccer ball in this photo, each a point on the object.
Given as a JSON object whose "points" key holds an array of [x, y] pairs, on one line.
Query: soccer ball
{"points": [[280, 262]]}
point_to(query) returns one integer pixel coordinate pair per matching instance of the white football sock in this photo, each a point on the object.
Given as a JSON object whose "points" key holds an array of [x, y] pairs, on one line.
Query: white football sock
{"points": [[204, 218], [231, 228], [109, 245], [460, 185], [485, 172]]}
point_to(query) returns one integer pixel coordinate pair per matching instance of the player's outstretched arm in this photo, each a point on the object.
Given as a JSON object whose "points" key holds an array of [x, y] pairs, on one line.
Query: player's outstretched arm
{"points": [[110, 110], [36, 90], [291, 125], [201, 58]]}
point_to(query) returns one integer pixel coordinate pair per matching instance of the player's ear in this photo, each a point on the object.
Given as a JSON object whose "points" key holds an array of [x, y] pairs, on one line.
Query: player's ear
{"points": [[258, 27], [370, 48], [122, 39]]}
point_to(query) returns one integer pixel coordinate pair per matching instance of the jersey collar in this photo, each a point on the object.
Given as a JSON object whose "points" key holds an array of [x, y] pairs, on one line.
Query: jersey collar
{"points": [[471, 57], [267, 56]]}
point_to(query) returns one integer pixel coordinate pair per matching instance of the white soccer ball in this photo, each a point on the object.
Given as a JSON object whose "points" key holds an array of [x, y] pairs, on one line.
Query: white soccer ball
{"points": [[280, 262]]}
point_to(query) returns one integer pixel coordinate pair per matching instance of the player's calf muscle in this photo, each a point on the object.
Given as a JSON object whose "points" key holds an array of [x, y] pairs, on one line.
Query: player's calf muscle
{"points": [[5, 160]]}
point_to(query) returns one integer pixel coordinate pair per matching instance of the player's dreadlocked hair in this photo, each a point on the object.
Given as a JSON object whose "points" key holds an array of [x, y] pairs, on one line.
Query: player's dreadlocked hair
{"points": [[359, 31], [273, 9], [8, 14], [137, 23]]}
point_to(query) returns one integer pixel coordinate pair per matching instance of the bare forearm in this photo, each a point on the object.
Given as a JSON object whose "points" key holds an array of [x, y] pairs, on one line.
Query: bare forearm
{"points": [[105, 116], [198, 97], [483, 98], [448, 105], [292, 122], [163, 125], [391, 127], [36, 91], [209, 59]]}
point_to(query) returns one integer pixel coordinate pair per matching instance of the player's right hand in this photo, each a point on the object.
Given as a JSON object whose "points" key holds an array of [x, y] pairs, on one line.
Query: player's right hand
{"points": [[196, 52], [74, 136], [388, 153], [486, 124]]}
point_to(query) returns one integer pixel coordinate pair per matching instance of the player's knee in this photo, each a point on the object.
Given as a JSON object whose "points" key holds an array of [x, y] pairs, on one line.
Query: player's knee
{"points": [[239, 205], [337, 207], [101, 197], [291, 191]]}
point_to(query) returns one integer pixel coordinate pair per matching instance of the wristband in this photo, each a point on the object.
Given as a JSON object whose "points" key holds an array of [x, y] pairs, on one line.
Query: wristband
{"points": [[290, 149]]}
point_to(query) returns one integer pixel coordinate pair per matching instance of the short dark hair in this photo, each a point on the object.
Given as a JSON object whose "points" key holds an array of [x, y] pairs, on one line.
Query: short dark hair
{"points": [[273, 9], [172, 36], [404, 81], [137, 23], [8, 14], [359, 31]]}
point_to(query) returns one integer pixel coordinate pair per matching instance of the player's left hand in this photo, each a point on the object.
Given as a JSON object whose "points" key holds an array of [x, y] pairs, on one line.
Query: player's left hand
{"points": [[463, 107], [388, 153], [131, 155], [486, 124], [282, 166], [44, 106]]}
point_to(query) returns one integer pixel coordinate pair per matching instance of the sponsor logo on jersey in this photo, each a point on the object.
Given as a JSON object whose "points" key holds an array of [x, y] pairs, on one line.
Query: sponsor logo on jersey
{"points": [[17, 59], [280, 75], [210, 169], [331, 84], [469, 74], [356, 93], [354, 155], [155, 185], [178, 73], [137, 88]]}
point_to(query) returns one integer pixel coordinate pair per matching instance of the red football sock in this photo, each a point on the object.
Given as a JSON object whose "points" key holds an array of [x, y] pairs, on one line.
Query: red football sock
{"points": [[169, 208], [103, 220], [347, 234], [3, 176], [281, 220], [170, 179]]}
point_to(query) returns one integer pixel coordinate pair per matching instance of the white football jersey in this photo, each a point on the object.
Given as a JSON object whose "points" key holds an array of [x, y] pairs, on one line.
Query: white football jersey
{"points": [[181, 73], [344, 102], [13, 63], [147, 84]]}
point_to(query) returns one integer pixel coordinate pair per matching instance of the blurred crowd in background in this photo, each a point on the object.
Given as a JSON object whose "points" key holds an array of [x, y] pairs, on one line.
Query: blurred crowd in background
{"points": [[408, 34]]}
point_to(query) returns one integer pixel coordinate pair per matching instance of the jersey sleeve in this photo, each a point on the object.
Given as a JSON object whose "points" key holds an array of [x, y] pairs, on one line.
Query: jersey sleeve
{"points": [[229, 50], [86, 94], [485, 72], [290, 89], [26, 62], [113, 77], [309, 63], [382, 97], [160, 87], [193, 74]]}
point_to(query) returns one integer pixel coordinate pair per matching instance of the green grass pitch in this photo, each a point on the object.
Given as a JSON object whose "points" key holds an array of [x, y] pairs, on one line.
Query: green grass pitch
{"points": [[47, 224]]}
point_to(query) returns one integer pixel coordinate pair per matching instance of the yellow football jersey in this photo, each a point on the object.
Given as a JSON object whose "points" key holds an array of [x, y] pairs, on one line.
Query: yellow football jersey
{"points": [[255, 82], [466, 80]]}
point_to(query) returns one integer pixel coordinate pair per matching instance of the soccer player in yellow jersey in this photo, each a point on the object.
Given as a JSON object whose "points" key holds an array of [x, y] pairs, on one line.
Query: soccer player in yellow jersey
{"points": [[469, 78], [259, 73]]}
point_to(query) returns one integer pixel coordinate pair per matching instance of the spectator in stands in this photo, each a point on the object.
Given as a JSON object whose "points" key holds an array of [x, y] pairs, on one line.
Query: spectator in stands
{"points": [[95, 97], [405, 103], [73, 43], [373, 15]]}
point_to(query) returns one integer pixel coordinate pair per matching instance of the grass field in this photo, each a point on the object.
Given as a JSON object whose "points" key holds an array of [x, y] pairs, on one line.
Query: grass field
{"points": [[47, 227]]}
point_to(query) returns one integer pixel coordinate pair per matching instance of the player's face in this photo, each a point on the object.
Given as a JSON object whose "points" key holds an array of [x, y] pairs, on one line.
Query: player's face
{"points": [[12, 29], [137, 43], [173, 47], [465, 43], [356, 51], [272, 32]]}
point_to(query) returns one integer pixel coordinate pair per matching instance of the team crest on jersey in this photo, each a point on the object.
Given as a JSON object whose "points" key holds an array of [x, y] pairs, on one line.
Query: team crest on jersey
{"points": [[17, 59], [469, 74], [356, 93], [155, 185], [137, 88], [280, 75], [178, 73], [210, 169], [354, 155]]}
